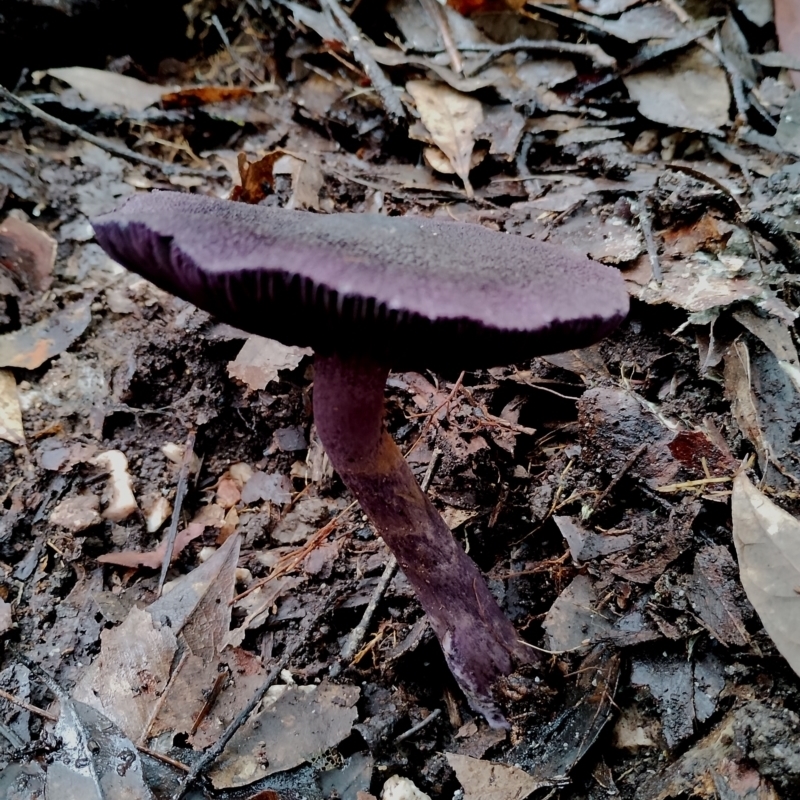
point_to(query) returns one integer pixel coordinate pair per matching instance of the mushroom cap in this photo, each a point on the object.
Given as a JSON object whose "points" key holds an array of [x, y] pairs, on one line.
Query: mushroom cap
{"points": [[408, 291]]}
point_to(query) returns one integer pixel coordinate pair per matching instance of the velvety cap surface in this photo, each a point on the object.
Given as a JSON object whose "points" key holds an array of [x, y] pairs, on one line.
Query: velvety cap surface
{"points": [[409, 290]]}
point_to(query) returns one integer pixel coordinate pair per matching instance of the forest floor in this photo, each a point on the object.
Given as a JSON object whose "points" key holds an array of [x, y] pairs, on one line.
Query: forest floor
{"points": [[627, 502]]}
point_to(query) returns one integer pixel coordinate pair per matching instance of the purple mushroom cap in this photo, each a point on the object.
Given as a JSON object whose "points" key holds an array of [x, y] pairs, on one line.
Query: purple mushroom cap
{"points": [[405, 290]]}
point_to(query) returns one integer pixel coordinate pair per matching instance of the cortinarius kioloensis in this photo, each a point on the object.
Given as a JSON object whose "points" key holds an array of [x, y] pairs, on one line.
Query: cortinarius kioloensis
{"points": [[370, 293]]}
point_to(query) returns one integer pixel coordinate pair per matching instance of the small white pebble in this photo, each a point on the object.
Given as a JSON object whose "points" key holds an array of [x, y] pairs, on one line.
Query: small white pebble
{"points": [[397, 788]]}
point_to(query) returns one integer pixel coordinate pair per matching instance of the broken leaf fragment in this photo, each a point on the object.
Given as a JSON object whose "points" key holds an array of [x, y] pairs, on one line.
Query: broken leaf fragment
{"points": [[767, 541], [450, 118], [30, 347], [297, 723], [488, 780], [103, 88], [690, 92], [261, 360]]}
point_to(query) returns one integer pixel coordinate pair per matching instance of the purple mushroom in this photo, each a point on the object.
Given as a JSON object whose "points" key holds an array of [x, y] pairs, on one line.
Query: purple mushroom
{"points": [[370, 293]]}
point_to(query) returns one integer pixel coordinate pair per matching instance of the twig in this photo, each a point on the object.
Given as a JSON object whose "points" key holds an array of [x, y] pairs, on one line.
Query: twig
{"points": [[358, 633], [162, 757], [618, 477], [677, 487], [180, 493], [293, 559], [431, 415], [646, 224], [231, 52], [106, 144], [592, 51], [211, 698], [355, 41], [419, 726], [439, 19], [27, 706]]}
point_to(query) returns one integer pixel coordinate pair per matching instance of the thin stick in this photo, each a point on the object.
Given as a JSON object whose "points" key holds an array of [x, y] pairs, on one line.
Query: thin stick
{"points": [[358, 633], [646, 225], [231, 52], [617, 478], [106, 144], [180, 493], [592, 51], [419, 726], [437, 14], [431, 415], [161, 757], [293, 559], [355, 41], [27, 706]]}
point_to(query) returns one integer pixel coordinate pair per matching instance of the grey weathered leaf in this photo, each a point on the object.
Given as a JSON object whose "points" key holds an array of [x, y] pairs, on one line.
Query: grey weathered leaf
{"points": [[767, 541]]}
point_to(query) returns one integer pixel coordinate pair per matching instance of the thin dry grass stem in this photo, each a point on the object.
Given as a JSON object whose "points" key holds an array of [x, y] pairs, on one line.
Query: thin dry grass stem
{"points": [[292, 560], [490, 420], [372, 643], [431, 416]]}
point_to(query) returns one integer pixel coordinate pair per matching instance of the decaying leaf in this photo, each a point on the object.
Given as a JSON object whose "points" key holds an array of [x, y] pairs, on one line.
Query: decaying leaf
{"points": [[30, 347], [767, 541], [488, 780], [572, 620], [28, 253], [153, 559], [261, 360], [296, 724], [128, 680], [451, 119], [95, 760], [691, 92], [109, 88]]}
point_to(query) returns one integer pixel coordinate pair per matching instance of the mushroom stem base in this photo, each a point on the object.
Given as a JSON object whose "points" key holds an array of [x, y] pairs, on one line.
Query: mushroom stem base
{"points": [[479, 642]]}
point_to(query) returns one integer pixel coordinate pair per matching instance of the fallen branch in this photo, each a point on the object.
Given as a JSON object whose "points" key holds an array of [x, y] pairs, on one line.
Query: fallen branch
{"points": [[106, 144]]}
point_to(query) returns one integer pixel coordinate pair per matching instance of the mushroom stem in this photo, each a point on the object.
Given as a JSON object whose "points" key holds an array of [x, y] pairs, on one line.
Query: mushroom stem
{"points": [[480, 644]]}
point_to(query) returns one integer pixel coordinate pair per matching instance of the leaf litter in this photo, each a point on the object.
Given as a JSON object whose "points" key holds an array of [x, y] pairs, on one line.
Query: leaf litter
{"points": [[593, 487]]}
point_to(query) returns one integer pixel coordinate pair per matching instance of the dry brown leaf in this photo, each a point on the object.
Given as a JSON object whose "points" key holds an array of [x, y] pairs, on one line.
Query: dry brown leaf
{"points": [[488, 780], [767, 541], [256, 177], [451, 119], [260, 361], [132, 679], [202, 95], [739, 389], [154, 558], [28, 253]]}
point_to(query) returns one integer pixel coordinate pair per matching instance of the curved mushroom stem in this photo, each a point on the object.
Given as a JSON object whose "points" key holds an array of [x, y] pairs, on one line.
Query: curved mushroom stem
{"points": [[480, 644]]}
